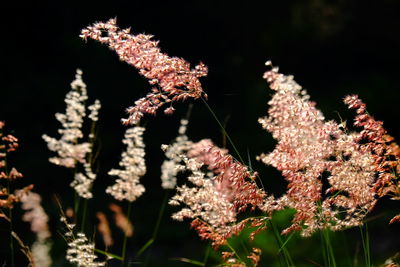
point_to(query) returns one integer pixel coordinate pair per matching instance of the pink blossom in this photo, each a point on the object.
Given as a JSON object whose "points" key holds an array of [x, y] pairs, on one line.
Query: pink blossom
{"points": [[172, 77], [310, 148]]}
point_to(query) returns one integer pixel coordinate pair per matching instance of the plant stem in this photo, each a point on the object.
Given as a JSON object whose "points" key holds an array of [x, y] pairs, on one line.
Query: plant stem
{"points": [[125, 236], [223, 130], [329, 256], [233, 250], [9, 212], [85, 203], [365, 243], [281, 244], [160, 214], [157, 226], [11, 238]]}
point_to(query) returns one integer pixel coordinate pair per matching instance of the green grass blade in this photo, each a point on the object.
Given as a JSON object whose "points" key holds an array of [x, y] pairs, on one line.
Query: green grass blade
{"points": [[108, 254], [194, 262], [223, 130], [144, 247]]}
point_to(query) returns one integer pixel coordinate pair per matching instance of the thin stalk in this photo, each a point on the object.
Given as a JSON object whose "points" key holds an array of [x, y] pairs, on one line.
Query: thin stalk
{"points": [[85, 203], [160, 214], [9, 212], [125, 236], [11, 231], [365, 243], [193, 262], [285, 252], [223, 130], [233, 250], [324, 250], [206, 255], [144, 247], [108, 254], [157, 226], [330, 256], [77, 199]]}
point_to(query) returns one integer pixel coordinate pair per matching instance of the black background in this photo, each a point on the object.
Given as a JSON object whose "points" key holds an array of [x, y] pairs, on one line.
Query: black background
{"points": [[333, 48]]}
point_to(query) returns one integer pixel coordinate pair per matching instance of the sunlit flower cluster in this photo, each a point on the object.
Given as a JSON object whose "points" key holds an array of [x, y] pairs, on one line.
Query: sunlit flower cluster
{"points": [[69, 149], [385, 152], [172, 165], [81, 252], [132, 165], [8, 143], [37, 217], [310, 152], [217, 196], [172, 78]]}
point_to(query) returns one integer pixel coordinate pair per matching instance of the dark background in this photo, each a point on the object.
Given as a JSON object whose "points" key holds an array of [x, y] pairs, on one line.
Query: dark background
{"points": [[333, 48]]}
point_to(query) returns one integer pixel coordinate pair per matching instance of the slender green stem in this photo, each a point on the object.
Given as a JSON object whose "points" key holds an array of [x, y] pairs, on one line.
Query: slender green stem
{"points": [[160, 214], [282, 245], [85, 203], [206, 255], [156, 227], [108, 254], [324, 250], [329, 255], [193, 262], [233, 250], [365, 243], [145, 246], [125, 236], [223, 130]]}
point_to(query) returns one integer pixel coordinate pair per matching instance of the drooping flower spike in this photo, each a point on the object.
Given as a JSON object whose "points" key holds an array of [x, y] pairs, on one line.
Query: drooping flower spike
{"points": [[171, 77]]}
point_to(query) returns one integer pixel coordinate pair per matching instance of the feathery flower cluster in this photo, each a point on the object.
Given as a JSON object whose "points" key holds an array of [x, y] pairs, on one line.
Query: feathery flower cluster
{"points": [[104, 229], [80, 250], [171, 166], [37, 217], [8, 143], [133, 165], [385, 151], [309, 148], [69, 150], [172, 77], [218, 196], [121, 220], [35, 214], [67, 147], [83, 182]]}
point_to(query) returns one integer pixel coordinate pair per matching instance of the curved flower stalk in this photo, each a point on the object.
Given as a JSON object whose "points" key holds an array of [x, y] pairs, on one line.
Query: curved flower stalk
{"points": [[217, 196], [69, 150], [133, 167], [172, 77], [173, 164], [308, 149], [37, 217]]}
